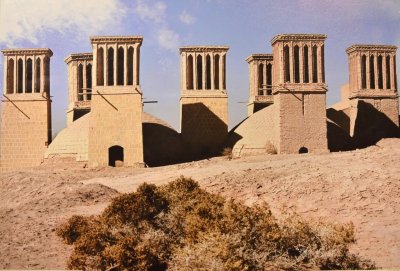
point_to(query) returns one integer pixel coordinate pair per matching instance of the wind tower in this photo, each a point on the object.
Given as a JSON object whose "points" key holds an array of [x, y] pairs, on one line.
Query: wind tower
{"points": [[300, 93], [79, 85], [260, 82], [26, 108], [204, 99], [115, 132], [373, 92]]}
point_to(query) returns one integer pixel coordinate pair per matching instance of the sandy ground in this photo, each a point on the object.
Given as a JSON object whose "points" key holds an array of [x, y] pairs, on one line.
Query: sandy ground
{"points": [[361, 186]]}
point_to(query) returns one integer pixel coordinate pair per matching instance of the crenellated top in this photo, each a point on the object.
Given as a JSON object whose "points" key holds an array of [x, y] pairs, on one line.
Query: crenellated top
{"points": [[27, 51], [116, 39], [298, 37], [203, 49], [371, 47], [79, 57], [268, 57]]}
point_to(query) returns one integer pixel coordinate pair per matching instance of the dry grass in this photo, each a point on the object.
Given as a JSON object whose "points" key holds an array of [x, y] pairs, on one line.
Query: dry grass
{"points": [[182, 227]]}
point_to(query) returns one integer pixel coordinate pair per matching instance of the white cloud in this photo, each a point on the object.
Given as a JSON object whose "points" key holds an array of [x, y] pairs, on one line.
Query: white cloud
{"points": [[28, 20], [168, 39], [155, 13], [186, 18]]}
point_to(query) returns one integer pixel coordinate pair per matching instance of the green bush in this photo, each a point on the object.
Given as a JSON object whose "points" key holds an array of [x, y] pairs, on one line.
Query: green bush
{"points": [[180, 226]]}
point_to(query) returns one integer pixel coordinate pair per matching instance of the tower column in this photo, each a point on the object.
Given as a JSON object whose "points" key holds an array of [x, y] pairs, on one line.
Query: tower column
{"points": [[212, 71], [137, 64], [94, 67], [359, 72], [15, 74], [376, 71], [24, 75], [384, 70], [42, 75], [194, 71], [125, 75], [33, 73], [105, 66], [220, 72], [115, 63], [84, 85], [264, 78], [204, 73], [6, 75], [310, 63], [301, 62], [392, 73], [368, 76], [291, 62], [319, 63]]}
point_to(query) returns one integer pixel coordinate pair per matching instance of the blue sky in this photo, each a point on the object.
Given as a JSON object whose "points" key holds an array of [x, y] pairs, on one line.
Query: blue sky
{"points": [[245, 26]]}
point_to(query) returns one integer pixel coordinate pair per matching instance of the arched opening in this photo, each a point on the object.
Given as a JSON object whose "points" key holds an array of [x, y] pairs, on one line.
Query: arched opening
{"points": [[89, 81], [20, 75], [216, 71], [208, 72], [116, 156], [363, 72], [296, 64], [80, 82], [46, 68], [223, 72], [37, 75], [388, 83], [314, 64], [189, 73], [10, 76], [29, 75], [323, 63], [372, 72], [100, 67], [306, 74], [303, 150], [269, 79], [260, 79], [380, 72], [120, 67], [130, 66], [199, 72], [286, 63], [110, 67]]}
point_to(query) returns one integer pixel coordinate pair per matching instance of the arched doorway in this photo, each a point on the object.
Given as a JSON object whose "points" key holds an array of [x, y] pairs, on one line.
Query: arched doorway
{"points": [[303, 150], [116, 156]]}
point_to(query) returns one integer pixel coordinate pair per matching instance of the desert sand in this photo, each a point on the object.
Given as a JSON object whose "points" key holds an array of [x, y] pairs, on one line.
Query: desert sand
{"points": [[361, 186]]}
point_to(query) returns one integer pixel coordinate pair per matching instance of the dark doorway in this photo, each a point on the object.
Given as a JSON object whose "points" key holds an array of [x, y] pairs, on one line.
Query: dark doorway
{"points": [[303, 150], [116, 156]]}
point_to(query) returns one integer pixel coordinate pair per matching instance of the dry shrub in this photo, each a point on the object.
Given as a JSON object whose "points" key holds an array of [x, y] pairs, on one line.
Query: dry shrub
{"points": [[270, 148], [179, 226]]}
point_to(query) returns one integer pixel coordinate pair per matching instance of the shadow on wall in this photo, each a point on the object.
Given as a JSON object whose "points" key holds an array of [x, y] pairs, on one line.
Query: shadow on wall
{"points": [[162, 145], [204, 134], [371, 125]]}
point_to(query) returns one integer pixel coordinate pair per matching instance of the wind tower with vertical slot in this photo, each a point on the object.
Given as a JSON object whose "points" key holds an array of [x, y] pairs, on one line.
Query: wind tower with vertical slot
{"points": [[25, 108], [204, 99], [115, 131]]}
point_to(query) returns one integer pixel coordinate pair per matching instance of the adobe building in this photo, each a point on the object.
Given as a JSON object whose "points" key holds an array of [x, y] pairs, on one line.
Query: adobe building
{"points": [[204, 99], [26, 108], [106, 124], [115, 131], [296, 121], [369, 109], [260, 82], [79, 85]]}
